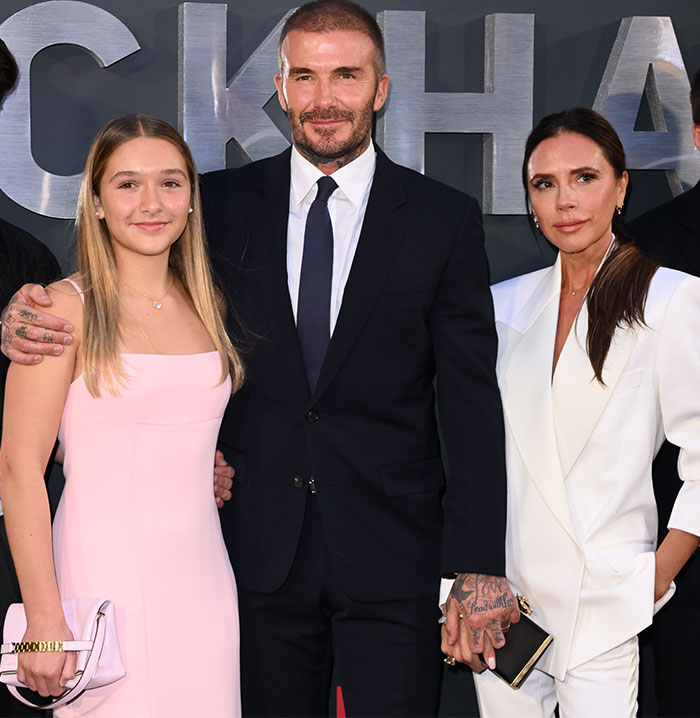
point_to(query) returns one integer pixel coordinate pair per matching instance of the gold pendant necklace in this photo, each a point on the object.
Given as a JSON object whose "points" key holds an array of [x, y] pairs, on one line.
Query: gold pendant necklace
{"points": [[157, 304]]}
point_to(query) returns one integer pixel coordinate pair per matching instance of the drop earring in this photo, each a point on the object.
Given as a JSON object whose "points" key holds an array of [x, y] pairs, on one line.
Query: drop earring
{"points": [[619, 209], [536, 221]]}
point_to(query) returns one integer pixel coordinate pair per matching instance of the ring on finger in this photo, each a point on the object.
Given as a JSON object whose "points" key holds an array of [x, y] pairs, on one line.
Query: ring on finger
{"points": [[450, 660], [505, 625]]}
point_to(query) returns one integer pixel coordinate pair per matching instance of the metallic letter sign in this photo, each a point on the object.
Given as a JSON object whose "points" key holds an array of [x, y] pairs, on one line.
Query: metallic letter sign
{"points": [[212, 113], [646, 59], [26, 33], [503, 112]]}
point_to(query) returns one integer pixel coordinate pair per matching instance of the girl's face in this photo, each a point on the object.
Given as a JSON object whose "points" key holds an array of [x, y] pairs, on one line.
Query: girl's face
{"points": [[144, 197]]}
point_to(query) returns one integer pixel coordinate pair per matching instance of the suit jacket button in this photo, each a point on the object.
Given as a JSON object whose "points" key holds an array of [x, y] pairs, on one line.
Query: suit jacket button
{"points": [[311, 416], [299, 483]]}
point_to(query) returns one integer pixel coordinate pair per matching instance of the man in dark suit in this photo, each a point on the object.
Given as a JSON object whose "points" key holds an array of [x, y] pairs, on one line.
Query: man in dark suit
{"points": [[357, 283], [670, 234], [336, 529]]}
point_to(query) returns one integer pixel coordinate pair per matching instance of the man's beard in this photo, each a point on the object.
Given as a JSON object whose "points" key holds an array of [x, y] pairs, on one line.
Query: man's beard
{"points": [[324, 148]]}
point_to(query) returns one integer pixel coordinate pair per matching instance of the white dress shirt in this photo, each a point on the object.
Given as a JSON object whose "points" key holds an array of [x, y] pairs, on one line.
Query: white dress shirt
{"points": [[346, 207]]}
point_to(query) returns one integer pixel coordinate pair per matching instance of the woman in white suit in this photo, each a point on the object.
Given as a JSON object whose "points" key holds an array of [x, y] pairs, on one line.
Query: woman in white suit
{"points": [[599, 360]]}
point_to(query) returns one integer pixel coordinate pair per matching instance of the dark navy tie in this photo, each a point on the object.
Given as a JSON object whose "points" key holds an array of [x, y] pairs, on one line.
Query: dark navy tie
{"points": [[314, 305]]}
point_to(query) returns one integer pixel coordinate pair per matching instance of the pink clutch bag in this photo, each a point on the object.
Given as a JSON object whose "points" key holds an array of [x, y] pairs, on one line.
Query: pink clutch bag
{"points": [[98, 663]]}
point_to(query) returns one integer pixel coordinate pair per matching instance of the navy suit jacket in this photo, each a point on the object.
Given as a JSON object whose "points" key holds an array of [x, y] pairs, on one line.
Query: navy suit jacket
{"points": [[416, 305], [670, 234]]}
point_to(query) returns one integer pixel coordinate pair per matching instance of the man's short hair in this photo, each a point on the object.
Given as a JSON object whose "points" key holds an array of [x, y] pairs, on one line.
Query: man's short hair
{"points": [[329, 15], [695, 97], [8, 70]]}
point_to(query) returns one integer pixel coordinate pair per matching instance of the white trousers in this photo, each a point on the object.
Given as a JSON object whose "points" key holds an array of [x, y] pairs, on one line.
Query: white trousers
{"points": [[604, 687]]}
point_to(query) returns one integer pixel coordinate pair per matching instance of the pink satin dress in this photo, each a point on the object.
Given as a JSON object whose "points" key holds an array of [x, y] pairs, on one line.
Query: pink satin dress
{"points": [[137, 523]]}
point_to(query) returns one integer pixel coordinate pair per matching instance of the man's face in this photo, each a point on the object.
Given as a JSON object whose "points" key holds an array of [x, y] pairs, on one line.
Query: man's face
{"points": [[329, 90]]}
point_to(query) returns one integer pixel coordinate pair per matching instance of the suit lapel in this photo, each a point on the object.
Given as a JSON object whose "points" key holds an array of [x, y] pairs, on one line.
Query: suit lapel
{"points": [[272, 241], [379, 239], [527, 348], [578, 398]]}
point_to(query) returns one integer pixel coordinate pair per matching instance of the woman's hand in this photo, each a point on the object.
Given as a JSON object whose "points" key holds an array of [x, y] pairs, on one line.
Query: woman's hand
{"points": [[675, 550], [460, 651], [47, 673]]}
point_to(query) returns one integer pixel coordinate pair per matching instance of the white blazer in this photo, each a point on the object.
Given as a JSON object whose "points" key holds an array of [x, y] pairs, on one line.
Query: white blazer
{"points": [[582, 520]]}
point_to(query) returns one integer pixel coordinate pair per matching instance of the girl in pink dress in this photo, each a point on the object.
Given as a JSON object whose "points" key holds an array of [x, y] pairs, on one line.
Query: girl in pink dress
{"points": [[137, 400]]}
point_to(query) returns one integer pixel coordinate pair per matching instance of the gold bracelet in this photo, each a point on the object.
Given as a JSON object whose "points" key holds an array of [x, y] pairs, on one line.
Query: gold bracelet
{"points": [[38, 647]]}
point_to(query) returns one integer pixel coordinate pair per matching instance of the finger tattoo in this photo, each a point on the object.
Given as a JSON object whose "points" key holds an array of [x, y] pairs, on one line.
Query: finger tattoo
{"points": [[27, 314], [494, 628]]}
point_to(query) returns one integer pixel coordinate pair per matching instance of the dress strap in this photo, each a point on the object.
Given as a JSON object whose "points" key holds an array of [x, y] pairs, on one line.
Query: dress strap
{"points": [[79, 290]]}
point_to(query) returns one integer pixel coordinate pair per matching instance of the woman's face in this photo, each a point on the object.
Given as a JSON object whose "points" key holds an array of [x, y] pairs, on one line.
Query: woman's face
{"points": [[144, 197], [574, 192]]}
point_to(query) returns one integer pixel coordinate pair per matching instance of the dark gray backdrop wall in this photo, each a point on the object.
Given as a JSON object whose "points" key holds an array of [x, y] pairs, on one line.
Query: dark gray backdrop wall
{"points": [[72, 97]]}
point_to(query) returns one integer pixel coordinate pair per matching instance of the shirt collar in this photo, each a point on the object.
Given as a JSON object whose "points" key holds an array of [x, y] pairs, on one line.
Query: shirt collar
{"points": [[352, 179]]}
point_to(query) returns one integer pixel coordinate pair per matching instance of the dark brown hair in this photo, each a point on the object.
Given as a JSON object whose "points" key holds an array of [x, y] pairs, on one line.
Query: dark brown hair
{"points": [[329, 15], [8, 70], [618, 293], [695, 97]]}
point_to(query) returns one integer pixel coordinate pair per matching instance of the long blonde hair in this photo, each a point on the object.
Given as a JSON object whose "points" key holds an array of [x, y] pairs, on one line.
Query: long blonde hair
{"points": [[189, 261]]}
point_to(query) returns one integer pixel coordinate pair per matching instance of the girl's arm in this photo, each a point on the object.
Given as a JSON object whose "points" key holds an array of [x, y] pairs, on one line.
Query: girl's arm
{"points": [[34, 400]]}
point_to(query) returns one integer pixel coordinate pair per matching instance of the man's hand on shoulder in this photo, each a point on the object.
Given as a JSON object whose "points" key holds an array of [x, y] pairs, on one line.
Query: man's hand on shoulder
{"points": [[483, 607], [28, 333]]}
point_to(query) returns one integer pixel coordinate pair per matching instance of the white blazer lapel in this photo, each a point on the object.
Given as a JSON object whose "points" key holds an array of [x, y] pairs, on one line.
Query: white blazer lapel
{"points": [[578, 398], [527, 348]]}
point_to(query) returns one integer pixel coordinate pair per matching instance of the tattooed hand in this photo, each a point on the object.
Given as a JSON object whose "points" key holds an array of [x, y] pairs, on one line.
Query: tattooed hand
{"points": [[28, 333], [479, 607]]}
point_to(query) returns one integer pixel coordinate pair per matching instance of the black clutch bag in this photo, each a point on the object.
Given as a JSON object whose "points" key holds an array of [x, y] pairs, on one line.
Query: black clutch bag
{"points": [[525, 644]]}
